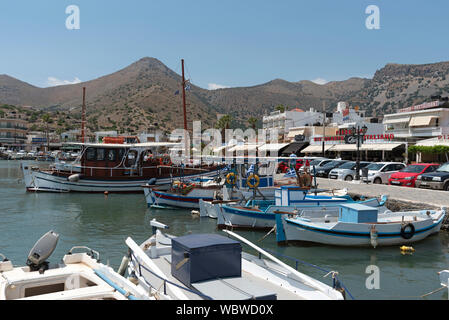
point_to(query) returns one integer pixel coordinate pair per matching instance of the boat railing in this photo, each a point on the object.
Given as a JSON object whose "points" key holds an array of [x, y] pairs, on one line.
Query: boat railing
{"points": [[132, 170], [164, 280], [336, 282]]}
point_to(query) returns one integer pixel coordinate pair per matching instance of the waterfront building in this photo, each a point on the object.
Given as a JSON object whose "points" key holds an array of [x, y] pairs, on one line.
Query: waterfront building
{"points": [[13, 133]]}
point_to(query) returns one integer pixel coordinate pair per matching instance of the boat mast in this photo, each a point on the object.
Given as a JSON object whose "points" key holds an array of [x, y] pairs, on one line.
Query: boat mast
{"points": [[184, 108], [83, 116]]}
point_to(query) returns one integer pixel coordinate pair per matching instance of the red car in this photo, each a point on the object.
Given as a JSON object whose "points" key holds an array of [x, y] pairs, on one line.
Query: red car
{"points": [[407, 176]]}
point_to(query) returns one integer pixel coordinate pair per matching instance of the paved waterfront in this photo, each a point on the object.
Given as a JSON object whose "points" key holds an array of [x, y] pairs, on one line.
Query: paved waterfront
{"points": [[421, 197]]}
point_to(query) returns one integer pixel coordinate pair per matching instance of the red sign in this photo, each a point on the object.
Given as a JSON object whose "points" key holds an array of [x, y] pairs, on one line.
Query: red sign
{"points": [[423, 106]]}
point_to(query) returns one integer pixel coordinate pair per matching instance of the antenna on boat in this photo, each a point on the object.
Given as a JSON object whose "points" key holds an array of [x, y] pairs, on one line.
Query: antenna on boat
{"points": [[83, 116]]}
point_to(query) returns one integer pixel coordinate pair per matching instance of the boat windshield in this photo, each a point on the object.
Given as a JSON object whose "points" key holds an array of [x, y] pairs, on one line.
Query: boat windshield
{"points": [[413, 168], [443, 168], [375, 166]]}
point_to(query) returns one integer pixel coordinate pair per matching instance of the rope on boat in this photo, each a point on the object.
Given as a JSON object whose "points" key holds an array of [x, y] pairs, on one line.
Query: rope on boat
{"points": [[337, 284], [166, 280]]}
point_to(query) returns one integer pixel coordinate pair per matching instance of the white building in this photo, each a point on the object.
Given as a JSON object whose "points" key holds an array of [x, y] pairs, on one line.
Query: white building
{"points": [[427, 120], [283, 122]]}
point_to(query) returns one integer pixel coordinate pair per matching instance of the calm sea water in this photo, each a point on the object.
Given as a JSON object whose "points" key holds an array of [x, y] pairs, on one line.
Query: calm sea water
{"points": [[103, 223]]}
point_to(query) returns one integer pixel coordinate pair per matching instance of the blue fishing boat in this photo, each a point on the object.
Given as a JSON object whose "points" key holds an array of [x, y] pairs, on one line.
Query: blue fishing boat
{"points": [[261, 214]]}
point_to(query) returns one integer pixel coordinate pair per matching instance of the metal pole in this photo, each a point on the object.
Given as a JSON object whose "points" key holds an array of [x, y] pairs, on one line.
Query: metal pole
{"points": [[357, 174], [324, 128], [184, 108]]}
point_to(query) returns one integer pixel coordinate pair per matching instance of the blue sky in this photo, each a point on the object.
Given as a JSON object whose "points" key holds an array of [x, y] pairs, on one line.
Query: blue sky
{"points": [[227, 43]]}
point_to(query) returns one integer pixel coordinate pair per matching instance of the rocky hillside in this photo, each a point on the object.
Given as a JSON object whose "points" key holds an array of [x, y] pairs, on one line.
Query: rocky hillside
{"points": [[142, 95]]}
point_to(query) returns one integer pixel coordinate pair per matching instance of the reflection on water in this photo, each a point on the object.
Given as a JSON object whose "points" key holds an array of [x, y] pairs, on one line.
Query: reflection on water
{"points": [[104, 222]]}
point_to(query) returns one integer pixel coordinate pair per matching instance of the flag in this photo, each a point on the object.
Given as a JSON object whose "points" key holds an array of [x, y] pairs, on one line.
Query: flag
{"points": [[226, 169], [250, 170], [188, 87], [290, 174]]}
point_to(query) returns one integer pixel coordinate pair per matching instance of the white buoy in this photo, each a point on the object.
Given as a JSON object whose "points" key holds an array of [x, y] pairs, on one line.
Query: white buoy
{"points": [[74, 177]]}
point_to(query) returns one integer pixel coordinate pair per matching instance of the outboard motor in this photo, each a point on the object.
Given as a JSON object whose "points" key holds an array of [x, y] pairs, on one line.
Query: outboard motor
{"points": [[43, 249]]}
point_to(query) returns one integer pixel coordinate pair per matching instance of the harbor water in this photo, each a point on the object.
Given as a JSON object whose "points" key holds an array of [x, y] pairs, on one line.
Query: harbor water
{"points": [[104, 222]]}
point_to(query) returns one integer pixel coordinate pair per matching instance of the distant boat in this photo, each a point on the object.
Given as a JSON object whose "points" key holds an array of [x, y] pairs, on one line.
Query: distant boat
{"points": [[213, 267], [359, 225]]}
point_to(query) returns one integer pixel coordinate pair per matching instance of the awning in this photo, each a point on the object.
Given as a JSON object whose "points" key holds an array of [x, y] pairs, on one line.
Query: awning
{"points": [[421, 121], [344, 147], [294, 147], [316, 149], [245, 147], [272, 146], [380, 146], [432, 142], [295, 132], [397, 120]]}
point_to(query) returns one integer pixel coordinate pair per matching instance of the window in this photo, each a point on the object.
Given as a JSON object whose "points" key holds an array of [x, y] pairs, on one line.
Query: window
{"points": [[111, 155], [430, 169], [390, 167], [100, 154], [90, 154], [399, 166]]}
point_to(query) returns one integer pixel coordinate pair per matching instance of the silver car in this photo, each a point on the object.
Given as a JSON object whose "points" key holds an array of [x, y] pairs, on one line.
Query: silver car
{"points": [[346, 171]]}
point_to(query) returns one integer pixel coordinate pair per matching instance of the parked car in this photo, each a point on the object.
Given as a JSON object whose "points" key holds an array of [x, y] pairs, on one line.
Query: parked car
{"points": [[407, 176], [317, 163], [380, 172], [347, 171], [324, 171], [439, 179]]}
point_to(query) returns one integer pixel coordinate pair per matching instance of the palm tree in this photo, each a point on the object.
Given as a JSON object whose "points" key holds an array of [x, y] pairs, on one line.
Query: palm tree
{"points": [[252, 122], [223, 123]]}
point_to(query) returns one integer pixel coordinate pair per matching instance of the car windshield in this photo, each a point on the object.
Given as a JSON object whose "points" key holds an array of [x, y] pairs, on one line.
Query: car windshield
{"points": [[375, 166], [444, 168], [333, 164], [413, 168], [315, 162], [347, 165]]}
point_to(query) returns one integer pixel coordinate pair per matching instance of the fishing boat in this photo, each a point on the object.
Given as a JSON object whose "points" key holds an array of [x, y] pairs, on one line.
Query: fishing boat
{"points": [[261, 214], [80, 276], [113, 167], [213, 267], [354, 224]]}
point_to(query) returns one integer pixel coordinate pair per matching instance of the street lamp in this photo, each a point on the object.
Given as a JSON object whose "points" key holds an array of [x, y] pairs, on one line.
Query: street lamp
{"points": [[358, 132]]}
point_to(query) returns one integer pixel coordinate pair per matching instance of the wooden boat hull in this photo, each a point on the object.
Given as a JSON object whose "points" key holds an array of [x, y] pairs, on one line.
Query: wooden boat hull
{"points": [[47, 181]]}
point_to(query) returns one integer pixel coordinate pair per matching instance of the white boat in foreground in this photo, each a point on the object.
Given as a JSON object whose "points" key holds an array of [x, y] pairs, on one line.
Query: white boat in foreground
{"points": [[209, 266], [80, 276], [359, 225]]}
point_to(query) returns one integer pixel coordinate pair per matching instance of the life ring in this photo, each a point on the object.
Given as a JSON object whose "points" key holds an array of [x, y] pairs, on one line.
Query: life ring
{"points": [[410, 234], [230, 178], [253, 176]]}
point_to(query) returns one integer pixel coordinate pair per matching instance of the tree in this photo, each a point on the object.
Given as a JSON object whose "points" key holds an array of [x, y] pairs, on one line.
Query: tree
{"points": [[224, 123], [280, 107], [252, 122]]}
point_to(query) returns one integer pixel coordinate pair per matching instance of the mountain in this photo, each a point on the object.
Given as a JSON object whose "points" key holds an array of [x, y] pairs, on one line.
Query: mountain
{"points": [[143, 94]]}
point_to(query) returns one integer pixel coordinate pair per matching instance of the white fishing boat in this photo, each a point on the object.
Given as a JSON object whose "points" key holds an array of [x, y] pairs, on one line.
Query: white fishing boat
{"points": [[358, 225], [80, 276], [261, 214], [209, 266]]}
